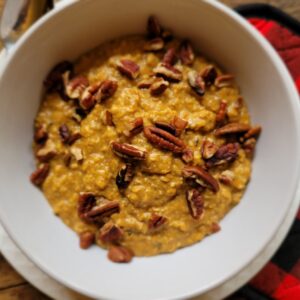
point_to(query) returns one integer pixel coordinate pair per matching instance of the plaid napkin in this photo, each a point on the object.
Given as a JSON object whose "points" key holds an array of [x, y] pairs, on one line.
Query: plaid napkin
{"points": [[280, 278]]}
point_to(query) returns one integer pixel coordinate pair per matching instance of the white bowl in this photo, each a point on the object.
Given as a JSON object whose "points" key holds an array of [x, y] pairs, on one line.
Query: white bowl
{"points": [[66, 33]]}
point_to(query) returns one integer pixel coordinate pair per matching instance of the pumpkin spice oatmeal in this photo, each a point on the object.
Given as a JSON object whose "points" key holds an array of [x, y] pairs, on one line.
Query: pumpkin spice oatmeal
{"points": [[142, 145]]}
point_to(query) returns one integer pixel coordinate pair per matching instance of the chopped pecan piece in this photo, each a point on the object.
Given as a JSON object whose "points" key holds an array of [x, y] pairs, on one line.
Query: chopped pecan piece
{"points": [[221, 114], [110, 233], [155, 44], [137, 127], [40, 174], [74, 87], [164, 139], [156, 222], [166, 126], [106, 90], [196, 82], [119, 254], [87, 100], [215, 227], [226, 177], [158, 86], [187, 156], [186, 53], [128, 68], [168, 72], [170, 56], [77, 153], [179, 125], [153, 27], [109, 118], [209, 75], [54, 80], [40, 135], [195, 203], [166, 35], [224, 80], [74, 137], [92, 209], [201, 177], [86, 239], [209, 149], [128, 151], [125, 176], [45, 154], [225, 154], [145, 83], [64, 133], [232, 128], [253, 132], [249, 146]]}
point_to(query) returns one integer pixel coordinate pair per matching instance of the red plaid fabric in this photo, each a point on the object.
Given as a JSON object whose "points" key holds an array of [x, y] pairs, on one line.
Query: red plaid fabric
{"points": [[280, 278]]}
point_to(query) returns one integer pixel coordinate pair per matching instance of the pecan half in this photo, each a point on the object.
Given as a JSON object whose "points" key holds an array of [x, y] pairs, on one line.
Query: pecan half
{"points": [[110, 233], [196, 82], [106, 90], [222, 113], [208, 149], [125, 176], [86, 239], [179, 124], [225, 154], [168, 72], [40, 135], [40, 174], [153, 27], [156, 222], [166, 126], [145, 83], [119, 254], [195, 203], [137, 127], [186, 53], [74, 87], [109, 118], [158, 87], [155, 44], [232, 128], [54, 80], [170, 56], [64, 133], [128, 151], [224, 80], [128, 68], [164, 139], [209, 75], [201, 177], [226, 177], [253, 132], [92, 209], [187, 156], [87, 100]]}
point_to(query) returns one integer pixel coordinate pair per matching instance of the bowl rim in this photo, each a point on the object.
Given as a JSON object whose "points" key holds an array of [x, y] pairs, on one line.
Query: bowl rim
{"points": [[293, 98]]}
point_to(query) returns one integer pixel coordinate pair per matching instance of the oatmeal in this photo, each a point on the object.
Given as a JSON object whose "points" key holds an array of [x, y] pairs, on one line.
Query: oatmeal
{"points": [[142, 145]]}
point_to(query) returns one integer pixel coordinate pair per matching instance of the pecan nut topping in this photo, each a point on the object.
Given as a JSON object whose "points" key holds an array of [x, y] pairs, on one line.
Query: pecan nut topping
{"points": [[74, 87], [166, 126], [168, 72], [54, 80], [145, 83], [208, 149], [226, 177], [179, 125], [137, 127], [170, 56], [195, 203], [187, 156], [106, 90], [209, 75], [153, 27], [222, 113], [86, 239], [155, 44], [253, 132], [119, 254], [40, 174], [74, 137], [64, 133], [232, 128], [158, 87], [125, 176], [40, 135], [87, 100], [156, 222], [201, 177], [128, 151], [109, 118], [94, 210], [224, 80], [45, 154], [128, 68], [215, 227], [164, 139], [186, 53], [110, 233], [225, 154], [249, 146], [196, 82]]}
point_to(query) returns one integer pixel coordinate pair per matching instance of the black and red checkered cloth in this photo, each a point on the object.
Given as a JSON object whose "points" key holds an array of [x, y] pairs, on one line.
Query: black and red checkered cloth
{"points": [[280, 278]]}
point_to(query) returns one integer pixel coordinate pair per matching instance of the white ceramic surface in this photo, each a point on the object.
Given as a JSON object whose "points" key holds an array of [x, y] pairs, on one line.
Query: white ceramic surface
{"points": [[272, 100]]}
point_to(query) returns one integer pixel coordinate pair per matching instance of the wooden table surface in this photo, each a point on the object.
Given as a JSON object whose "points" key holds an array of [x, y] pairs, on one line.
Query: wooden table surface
{"points": [[12, 285]]}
